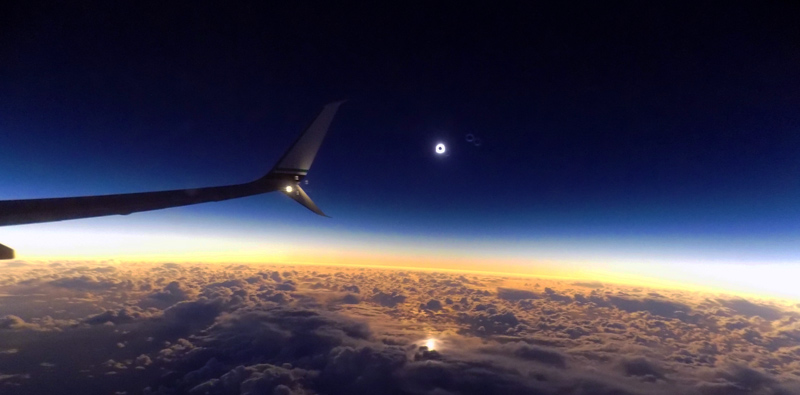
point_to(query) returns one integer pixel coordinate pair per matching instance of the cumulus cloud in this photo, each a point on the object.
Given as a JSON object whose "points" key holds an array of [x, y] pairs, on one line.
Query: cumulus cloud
{"points": [[172, 293], [121, 316], [661, 307], [388, 300], [534, 353], [12, 322], [588, 284], [86, 283], [750, 309], [515, 294], [740, 380]]}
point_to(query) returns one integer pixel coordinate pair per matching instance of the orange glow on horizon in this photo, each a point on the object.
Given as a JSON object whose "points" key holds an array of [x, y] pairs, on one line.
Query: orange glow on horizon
{"points": [[35, 244]]}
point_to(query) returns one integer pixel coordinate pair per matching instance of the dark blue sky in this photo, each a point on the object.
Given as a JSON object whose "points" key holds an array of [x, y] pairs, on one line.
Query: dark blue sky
{"points": [[633, 121]]}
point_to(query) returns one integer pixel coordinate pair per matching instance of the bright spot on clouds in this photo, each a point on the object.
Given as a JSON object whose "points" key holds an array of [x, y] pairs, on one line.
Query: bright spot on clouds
{"points": [[440, 148], [431, 344]]}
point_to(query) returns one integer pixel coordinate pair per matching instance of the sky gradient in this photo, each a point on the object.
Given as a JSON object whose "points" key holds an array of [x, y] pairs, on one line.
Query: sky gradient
{"points": [[636, 142]]}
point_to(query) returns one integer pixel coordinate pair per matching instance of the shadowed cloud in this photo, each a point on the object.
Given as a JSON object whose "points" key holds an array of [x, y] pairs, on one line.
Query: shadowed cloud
{"points": [[230, 329]]}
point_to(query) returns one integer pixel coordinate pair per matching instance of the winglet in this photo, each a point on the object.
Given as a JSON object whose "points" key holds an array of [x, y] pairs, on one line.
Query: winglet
{"points": [[295, 163], [298, 159], [300, 196]]}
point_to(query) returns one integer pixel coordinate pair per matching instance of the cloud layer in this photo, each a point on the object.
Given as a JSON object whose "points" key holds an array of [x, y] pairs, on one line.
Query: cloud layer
{"points": [[252, 329]]}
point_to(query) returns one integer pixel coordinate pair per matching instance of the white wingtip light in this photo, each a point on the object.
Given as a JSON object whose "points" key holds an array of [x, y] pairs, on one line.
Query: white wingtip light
{"points": [[440, 148]]}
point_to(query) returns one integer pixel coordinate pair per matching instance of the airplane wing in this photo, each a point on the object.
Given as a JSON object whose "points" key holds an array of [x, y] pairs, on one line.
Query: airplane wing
{"points": [[284, 176], [19, 212]]}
